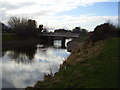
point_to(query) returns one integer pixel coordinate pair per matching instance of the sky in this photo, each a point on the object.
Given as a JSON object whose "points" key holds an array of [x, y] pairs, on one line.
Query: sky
{"points": [[67, 14]]}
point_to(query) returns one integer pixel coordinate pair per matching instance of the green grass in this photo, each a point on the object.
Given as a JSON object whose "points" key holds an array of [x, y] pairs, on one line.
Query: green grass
{"points": [[13, 37], [10, 37], [104, 73], [100, 71]]}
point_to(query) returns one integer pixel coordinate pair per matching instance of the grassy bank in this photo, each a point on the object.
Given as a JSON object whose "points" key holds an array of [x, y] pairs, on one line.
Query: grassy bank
{"points": [[93, 67], [8, 37]]}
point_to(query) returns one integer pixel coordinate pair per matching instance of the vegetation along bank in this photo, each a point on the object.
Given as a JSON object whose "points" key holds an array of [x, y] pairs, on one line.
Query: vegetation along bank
{"points": [[91, 65]]}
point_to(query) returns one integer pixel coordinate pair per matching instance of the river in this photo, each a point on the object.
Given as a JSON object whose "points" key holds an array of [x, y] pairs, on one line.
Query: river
{"points": [[24, 66]]}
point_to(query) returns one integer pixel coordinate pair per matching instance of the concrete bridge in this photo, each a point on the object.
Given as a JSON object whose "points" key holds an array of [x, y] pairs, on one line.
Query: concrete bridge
{"points": [[50, 37], [67, 35]]}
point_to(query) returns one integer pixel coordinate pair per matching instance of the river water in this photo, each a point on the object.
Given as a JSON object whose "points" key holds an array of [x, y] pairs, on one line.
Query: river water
{"points": [[24, 66]]}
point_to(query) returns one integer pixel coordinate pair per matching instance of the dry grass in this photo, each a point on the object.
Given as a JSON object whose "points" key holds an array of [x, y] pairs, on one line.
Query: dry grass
{"points": [[79, 56]]}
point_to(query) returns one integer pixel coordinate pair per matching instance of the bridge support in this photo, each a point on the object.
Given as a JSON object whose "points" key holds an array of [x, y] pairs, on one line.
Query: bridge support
{"points": [[51, 40], [63, 42]]}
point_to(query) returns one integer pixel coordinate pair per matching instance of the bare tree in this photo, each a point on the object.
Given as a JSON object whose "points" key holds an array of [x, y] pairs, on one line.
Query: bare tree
{"points": [[13, 22], [16, 21], [23, 26]]}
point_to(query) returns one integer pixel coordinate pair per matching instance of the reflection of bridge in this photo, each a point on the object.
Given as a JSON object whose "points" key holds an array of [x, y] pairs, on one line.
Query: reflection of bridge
{"points": [[50, 37]]}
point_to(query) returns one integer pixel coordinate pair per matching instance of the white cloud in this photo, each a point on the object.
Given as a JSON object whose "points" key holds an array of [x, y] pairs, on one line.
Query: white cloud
{"points": [[44, 11], [43, 6], [89, 2], [30, 73], [84, 21]]}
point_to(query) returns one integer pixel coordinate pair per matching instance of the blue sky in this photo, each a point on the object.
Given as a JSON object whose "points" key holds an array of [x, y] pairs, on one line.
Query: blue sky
{"points": [[54, 14], [97, 9]]}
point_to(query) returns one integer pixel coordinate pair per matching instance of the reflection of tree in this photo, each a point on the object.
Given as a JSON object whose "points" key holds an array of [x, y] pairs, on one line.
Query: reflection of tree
{"points": [[22, 54], [19, 57]]}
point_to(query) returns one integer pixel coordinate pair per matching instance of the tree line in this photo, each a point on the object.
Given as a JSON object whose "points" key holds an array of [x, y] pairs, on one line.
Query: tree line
{"points": [[28, 27], [22, 26]]}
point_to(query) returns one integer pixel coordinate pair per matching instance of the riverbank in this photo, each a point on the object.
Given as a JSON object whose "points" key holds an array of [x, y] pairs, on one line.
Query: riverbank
{"points": [[95, 66], [12, 39]]}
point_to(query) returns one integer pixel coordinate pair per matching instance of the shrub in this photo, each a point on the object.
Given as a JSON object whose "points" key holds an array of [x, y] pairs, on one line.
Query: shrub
{"points": [[104, 31]]}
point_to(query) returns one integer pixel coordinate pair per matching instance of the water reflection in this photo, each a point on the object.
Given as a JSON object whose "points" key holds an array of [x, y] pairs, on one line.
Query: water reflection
{"points": [[14, 52], [23, 66], [19, 57]]}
